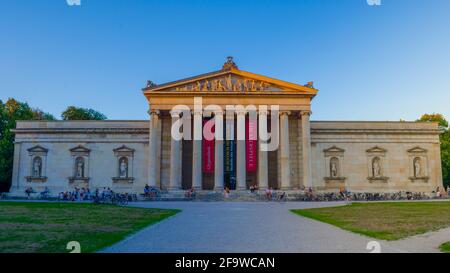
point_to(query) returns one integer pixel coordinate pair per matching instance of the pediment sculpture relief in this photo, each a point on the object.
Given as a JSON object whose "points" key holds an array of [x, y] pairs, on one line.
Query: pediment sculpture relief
{"points": [[228, 83]]}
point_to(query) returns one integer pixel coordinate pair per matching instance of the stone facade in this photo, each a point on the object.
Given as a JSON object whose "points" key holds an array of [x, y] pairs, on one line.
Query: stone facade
{"points": [[100, 143], [356, 144], [399, 143], [324, 155]]}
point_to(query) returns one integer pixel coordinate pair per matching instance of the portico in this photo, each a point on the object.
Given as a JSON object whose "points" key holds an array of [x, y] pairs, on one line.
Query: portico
{"points": [[243, 92]]}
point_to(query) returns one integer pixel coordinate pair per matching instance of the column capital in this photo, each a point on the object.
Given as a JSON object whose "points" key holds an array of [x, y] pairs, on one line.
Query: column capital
{"points": [[197, 112], [228, 116], [264, 112], [240, 112], [154, 112], [175, 113], [218, 113], [305, 113], [287, 113]]}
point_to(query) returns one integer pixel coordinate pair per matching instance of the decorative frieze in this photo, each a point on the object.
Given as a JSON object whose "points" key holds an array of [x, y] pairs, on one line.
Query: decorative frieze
{"points": [[228, 83]]}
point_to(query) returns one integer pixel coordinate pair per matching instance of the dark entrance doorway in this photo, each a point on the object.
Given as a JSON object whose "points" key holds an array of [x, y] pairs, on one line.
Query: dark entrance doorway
{"points": [[272, 158], [186, 169]]}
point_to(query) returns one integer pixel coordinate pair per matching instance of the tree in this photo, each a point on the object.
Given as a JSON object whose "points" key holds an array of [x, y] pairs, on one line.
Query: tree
{"points": [[38, 114], [10, 112], [445, 143], [78, 113], [445, 157], [435, 117]]}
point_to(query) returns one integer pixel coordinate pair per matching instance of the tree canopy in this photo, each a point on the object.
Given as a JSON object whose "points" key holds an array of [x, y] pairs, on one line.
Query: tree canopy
{"points": [[445, 143], [445, 157], [435, 117], [78, 113], [10, 112]]}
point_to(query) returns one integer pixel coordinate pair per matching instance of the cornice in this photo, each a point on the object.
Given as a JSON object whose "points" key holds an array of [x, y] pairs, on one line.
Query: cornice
{"points": [[82, 131], [376, 131]]}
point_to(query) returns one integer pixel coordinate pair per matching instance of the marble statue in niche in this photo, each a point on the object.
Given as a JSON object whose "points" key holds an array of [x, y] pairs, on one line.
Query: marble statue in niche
{"points": [[417, 167], [79, 167], [376, 167], [334, 166], [37, 167], [123, 167]]}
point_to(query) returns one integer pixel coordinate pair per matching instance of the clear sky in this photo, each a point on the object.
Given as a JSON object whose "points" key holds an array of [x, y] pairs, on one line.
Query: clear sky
{"points": [[370, 62]]}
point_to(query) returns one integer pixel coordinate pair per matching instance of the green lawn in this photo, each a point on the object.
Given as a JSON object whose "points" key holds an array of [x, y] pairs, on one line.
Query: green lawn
{"points": [[388, 221], [445, 247], [48, 227]]}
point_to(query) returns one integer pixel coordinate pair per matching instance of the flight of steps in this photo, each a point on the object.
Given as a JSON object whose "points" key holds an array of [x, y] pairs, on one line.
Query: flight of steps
{"points": [[213, 196], [208, 196]]}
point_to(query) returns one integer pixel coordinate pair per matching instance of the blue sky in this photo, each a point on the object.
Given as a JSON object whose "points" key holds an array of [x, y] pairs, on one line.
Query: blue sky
{"points": [[370, 62]]}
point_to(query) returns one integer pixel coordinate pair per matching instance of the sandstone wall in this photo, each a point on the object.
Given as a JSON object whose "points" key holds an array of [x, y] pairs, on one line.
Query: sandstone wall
{"points": [[355, 144], [100, 137], [396, 143]]}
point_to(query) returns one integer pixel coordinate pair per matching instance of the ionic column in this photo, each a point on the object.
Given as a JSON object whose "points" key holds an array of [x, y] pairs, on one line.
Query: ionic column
{"points": [[284, 150], [154, 135], [306, 148], [240, 152], [175, 156], [218, 155], [263, 167], [197, 151]]}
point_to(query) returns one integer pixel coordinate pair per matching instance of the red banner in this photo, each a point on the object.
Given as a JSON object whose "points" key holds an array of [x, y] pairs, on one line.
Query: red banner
{"points": [[251, 144], [208, 148]]}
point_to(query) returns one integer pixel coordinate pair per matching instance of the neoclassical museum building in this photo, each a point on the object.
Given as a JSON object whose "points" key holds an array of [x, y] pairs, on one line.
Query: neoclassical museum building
{"points": [[125, 155]]}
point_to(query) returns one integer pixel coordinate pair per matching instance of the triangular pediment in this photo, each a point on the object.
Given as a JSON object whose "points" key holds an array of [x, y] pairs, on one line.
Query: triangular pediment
{"points": [[230, 80], [123, 151], [334, 149], [376, 149], [80, 149], [417, 149], [123, 148], [37, 149]]}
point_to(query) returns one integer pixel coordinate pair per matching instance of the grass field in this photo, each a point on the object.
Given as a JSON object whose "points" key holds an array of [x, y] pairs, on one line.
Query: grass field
{"points": [[445, 247], [48, 227], [388, 221]]}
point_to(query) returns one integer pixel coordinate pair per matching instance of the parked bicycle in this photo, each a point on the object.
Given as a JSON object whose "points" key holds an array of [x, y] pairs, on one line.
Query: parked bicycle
{"points": [[113, 198]]}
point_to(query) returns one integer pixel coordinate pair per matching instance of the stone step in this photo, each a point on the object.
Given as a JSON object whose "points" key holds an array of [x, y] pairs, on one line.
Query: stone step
{"points": [[166, 199]]}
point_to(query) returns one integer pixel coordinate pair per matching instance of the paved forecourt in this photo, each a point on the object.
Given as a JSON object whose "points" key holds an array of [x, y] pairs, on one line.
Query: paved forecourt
{"points": [[249, 227]]}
